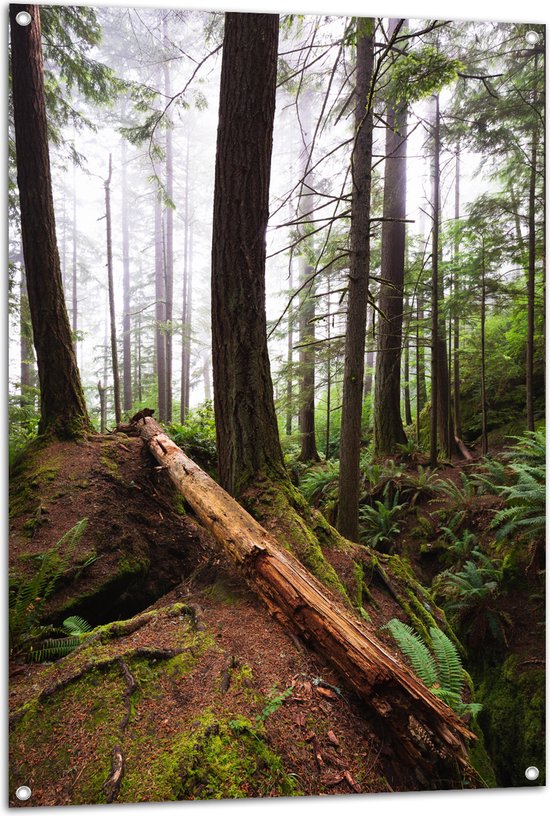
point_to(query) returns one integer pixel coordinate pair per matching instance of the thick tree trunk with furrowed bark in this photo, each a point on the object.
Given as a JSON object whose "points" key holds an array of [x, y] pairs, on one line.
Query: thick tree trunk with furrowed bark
{"points": [[246, 425], [426, 732]]}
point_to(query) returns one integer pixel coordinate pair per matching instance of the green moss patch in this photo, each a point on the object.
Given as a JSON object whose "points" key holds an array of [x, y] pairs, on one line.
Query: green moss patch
{"points": [[513, 720], [217, 758]]}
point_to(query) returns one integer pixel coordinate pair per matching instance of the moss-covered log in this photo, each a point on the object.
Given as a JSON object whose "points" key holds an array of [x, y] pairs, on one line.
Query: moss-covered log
{"points": [[425, 731]]}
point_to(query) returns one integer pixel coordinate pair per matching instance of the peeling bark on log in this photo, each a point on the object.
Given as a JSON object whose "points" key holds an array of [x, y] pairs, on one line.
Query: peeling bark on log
{"points": [[425, 732]]}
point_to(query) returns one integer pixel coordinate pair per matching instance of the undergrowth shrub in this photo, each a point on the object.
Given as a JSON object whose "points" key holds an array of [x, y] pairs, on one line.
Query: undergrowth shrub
{"points": [[470, 597], [197, 436], [379, 524]]}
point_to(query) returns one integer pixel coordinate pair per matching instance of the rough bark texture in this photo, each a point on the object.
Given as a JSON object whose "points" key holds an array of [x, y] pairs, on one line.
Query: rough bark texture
{"points": [[388, 426], [352, 397], [63, 410], [424, 731], [246, 425]]}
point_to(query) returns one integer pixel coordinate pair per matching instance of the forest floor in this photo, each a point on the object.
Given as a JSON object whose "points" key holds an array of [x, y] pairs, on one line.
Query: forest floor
{"points": [[243, 675], [207, 696]]}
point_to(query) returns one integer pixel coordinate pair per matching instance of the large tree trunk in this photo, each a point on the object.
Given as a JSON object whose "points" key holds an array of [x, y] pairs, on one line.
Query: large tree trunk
{"points": [[246, 424], [358, 285], [425, 731], [63, 410], [388, 426]]}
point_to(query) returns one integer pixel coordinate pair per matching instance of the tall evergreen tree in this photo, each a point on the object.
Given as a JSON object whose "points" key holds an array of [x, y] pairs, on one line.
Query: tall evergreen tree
{"points": [[62, 407], [352, 402]]}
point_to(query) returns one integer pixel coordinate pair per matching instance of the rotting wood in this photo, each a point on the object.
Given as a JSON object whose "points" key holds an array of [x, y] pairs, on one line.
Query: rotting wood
{"points": [[425, 732]]}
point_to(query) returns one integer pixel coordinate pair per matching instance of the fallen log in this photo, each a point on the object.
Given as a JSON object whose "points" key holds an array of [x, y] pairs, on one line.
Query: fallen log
{"points": [[425, 732]]}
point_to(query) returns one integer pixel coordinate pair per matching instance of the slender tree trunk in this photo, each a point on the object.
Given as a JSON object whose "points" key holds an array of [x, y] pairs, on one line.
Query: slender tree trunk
{"points": [[406, 384], [246, 424], [102, 408], [306, 318], [289, 362], [455, 319], [25, 341], [435, 293], [206, 377], [63, 409], [169, 269], [126, 324], [188, 322], [75, 270], [422, 391], [441, 412], [160, 312], [350, 431], [484, 439], [369, 357], [529, 369], [388, 426], [114, 349], [186, 286]]}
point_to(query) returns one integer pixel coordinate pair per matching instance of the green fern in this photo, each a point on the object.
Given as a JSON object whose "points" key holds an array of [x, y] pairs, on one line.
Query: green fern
{"points": [[415, 650], [442, 672], [470, 597], [379, 524], [449, 666], [28, 598], [460, 500], [526, 499], [320, 483], [74, 631]]}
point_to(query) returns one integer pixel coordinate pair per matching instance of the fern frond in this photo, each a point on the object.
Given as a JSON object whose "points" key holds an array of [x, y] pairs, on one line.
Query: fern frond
{"points": [[54, 649], [449, 665], [415, 650], [75, 625]]}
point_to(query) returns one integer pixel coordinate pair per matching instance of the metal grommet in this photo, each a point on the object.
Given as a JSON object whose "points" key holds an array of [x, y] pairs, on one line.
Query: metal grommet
{"points": [[532, 37], [23, 793], [23, 18], [532, 773]]}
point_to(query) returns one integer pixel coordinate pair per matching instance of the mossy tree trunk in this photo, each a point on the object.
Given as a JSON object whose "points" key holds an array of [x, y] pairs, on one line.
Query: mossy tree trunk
{"points": [[62, 406]]}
